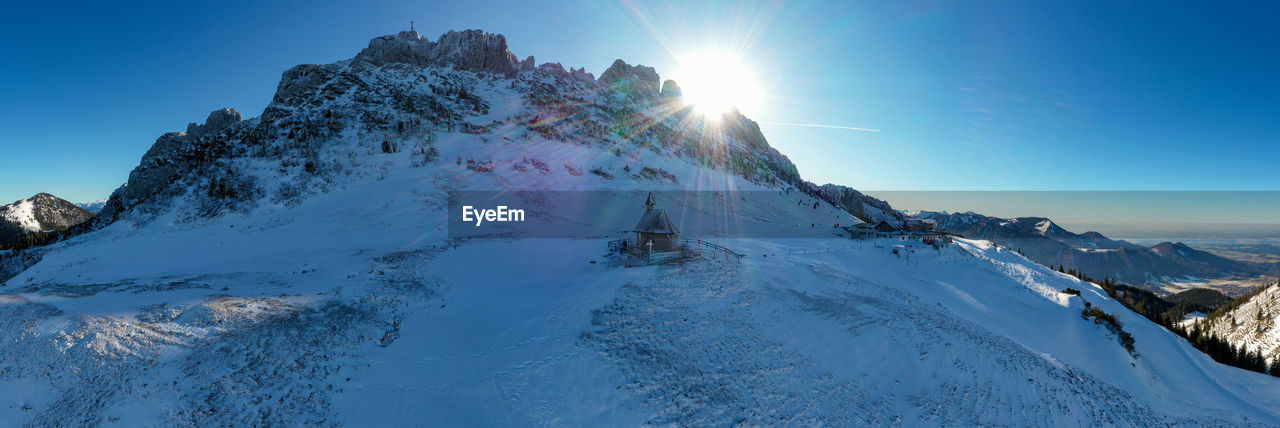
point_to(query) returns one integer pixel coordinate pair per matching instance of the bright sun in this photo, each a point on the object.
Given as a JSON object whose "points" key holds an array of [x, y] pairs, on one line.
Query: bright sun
{"points": [[714, 82]]}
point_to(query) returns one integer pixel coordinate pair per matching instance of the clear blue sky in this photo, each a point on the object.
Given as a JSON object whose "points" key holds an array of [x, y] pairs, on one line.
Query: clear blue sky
{"points": [[1004, 95]]}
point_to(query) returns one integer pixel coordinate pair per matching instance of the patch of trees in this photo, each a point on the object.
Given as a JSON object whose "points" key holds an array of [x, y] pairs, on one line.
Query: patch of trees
{"points": [[1112, 324], [28, 240], [1234, 304], [1201, 297], [1224, 352], [389, 146], [1169, 313], [602, 173], [1196, 300], [653, 174]]}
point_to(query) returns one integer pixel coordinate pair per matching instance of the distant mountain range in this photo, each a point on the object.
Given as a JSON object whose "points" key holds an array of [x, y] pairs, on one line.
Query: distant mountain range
{"points": [[40, 213], [1096, 255], [92, 207]]}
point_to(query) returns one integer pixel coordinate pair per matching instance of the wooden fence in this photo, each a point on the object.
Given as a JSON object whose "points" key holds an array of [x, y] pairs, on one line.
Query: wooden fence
{"points": [[713, 247]]}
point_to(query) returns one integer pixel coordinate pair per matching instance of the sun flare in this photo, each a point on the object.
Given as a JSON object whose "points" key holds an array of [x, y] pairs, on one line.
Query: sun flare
{"points": [[714, 82]]}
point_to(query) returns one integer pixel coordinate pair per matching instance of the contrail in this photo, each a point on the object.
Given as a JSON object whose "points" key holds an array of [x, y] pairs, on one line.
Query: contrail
{"points": [[821, 126]]}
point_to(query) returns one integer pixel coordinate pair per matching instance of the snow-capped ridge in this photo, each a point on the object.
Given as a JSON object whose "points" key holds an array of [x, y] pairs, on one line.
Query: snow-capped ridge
{"points": [[405, 93], [218, 120], [641, 79], [92, 207]]}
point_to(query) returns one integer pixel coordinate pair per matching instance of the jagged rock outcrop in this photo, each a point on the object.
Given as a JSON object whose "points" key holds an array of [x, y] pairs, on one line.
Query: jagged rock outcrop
{"points": [[670, 89], [866, 208], [298, 81], [553, 68], [172, 155], [636, 79], [472, 50], [433, 87], [558, 69], [581, 74], [527, 65], [217, 121]]}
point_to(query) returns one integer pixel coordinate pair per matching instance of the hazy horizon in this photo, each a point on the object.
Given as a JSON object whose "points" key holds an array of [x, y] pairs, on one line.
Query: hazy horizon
{"points": [[1114, 213], [1177, 231]]}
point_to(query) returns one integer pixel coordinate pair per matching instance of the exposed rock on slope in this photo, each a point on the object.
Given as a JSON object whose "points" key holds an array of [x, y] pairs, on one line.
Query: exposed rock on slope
{"points": [[638, 78], [867, 208], [174, 155], [404, 90], [217, 121], [670, 89], [472, 50]]}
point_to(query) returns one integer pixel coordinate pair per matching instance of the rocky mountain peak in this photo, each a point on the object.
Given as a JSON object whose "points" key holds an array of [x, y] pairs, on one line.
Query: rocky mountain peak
{"points": [[218, 120], [670, 89], [472, 50], [406, 89], [172, 155], [640, 79]]}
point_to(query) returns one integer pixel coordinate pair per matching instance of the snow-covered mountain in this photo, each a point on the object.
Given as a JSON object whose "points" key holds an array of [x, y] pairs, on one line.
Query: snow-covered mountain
{"points": [[40, 213], [92, 207], [411, 98], [296, 268], [1044, 241]]}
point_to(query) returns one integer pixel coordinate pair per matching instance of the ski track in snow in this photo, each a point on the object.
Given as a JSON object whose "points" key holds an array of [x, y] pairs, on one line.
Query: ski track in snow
{"points": [[738, 372], [226, 361]]}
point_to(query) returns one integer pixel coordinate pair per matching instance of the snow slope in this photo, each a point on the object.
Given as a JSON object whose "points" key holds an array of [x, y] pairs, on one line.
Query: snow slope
{"points": [[518, 332], [22, 213], [354, 308]]}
